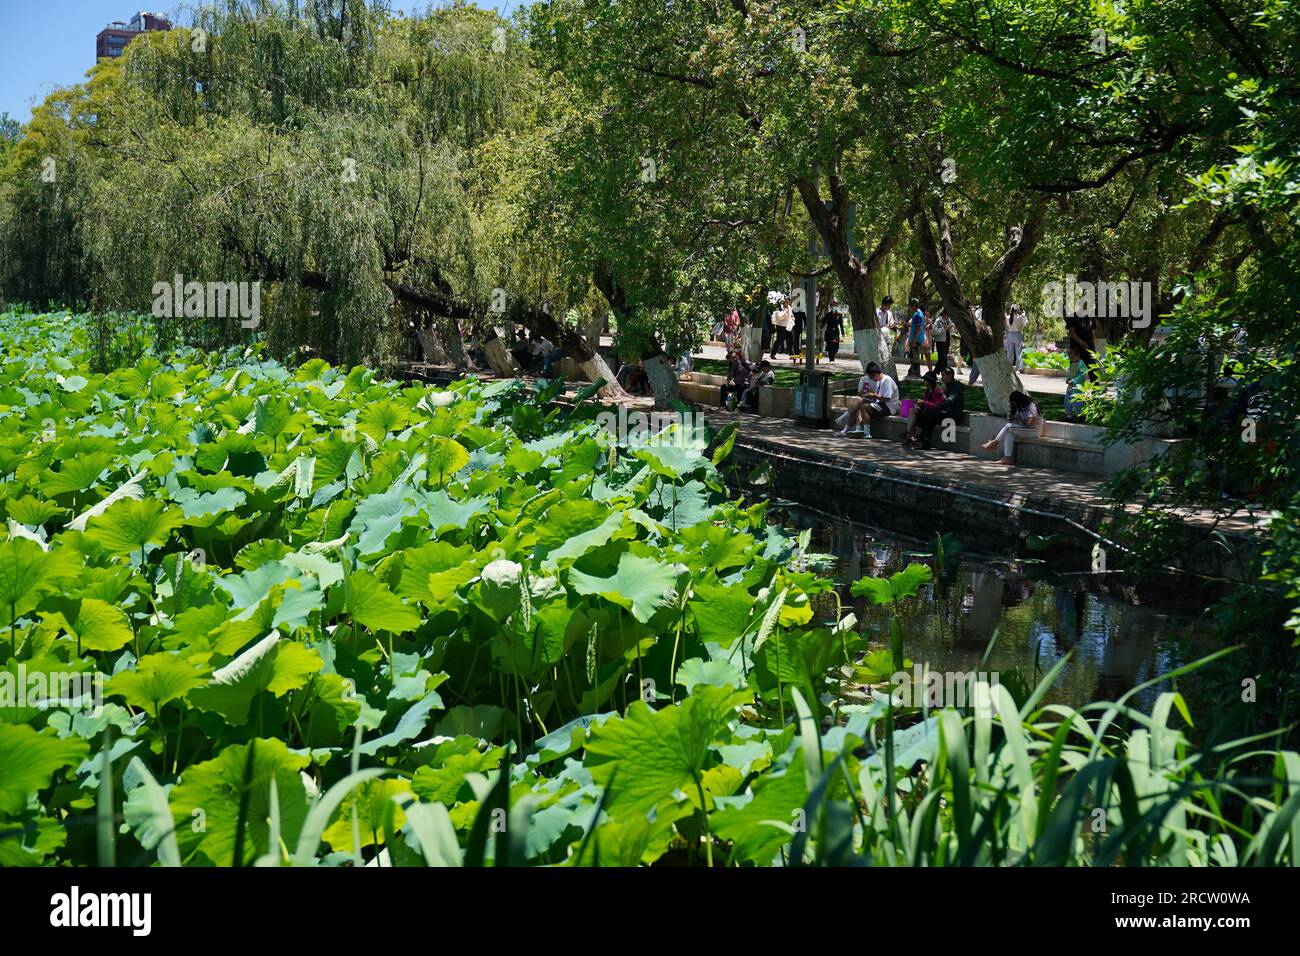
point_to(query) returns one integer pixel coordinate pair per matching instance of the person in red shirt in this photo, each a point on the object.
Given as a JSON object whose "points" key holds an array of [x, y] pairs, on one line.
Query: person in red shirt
{"points": [[931, 400]]}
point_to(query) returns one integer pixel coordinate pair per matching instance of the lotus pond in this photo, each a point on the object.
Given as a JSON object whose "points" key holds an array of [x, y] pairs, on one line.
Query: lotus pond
{"points": [[330, 620], [1014, 615]]}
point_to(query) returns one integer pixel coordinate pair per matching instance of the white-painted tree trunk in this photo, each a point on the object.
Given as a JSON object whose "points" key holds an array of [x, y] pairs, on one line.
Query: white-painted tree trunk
{"points": [[596, 368], [663, 380], [450, 332], [434, 353], [499, 357], [751, 343], [1000, 380], [870, 345]]}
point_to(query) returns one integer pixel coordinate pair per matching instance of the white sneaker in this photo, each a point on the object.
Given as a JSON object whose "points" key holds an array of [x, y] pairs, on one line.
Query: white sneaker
{"points": [[860, 431]]}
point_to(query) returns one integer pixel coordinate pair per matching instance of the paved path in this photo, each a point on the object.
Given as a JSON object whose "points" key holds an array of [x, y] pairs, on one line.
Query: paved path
{"points": [[1079, 491]]}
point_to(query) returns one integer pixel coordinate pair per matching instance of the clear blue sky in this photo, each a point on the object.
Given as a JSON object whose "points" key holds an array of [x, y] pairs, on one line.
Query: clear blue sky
{"points": [[45, 44]]}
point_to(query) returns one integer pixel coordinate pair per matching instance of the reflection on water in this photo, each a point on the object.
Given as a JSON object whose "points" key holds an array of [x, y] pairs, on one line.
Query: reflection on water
{"points": [[1039, 616]]}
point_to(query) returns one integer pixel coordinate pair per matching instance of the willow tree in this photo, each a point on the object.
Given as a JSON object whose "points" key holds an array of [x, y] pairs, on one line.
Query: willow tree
{"points": [[329, 151], [48, 169]]}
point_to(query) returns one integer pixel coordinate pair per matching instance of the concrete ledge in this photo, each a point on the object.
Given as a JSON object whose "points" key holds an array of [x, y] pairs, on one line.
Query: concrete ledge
{"points": [[776, 402], [701, 393]]}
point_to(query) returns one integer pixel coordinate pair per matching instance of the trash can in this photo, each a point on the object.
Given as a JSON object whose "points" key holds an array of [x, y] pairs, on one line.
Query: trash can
{"points": [[812, 400]]}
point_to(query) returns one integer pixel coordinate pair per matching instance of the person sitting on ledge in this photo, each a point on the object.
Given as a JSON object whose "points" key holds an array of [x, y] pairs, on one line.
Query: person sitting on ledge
{"points": [[763, 376], [931, 400], [738, 374], [954, 406], [1025, 419], [879, 399]]}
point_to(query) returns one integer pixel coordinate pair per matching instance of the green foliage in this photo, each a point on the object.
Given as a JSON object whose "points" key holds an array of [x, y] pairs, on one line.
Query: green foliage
{"points": [[528, 664]]}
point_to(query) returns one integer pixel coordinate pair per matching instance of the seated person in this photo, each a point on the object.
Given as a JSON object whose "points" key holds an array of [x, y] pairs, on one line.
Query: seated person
{"points": [[931, 400], [1075, 376], [738, 375], [551, 358], [1025, 419], [879, 399], [633, 378], [763, 376], [954, 406], [522, 350]]}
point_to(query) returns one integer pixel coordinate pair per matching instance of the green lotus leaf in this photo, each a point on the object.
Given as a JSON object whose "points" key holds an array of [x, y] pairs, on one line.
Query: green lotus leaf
{"points": [[28, 760], [131, 525], [652, 754], [273, 664], [372, 605], [96, 625], [206, 803], [640, 585], [155, 680]]}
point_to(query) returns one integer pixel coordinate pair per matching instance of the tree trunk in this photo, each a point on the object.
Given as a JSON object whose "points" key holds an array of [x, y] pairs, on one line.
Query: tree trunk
{"points": [[663, 379], [434, 354], [1000, 380], [498, 356], [917, 288], [596, 368], [872, 345], [982, 337], [857, 277], [455, 345]]}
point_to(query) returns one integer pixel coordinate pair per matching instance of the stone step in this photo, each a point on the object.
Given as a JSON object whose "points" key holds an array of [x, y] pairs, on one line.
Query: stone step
{"points": [[1083, 458], [1071, 431]]}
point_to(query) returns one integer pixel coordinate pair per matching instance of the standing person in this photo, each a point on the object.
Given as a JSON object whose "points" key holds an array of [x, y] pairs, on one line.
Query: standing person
{"points": [[783, 322], [1014, 341], [731, 332], [915, 338], [879, 399], [974, 366], [887, 323], [942, 336], [1079, 328], [954, 406], [1075, 376], [1025, 419], [796, 335], [931, 401], [834, 330]]}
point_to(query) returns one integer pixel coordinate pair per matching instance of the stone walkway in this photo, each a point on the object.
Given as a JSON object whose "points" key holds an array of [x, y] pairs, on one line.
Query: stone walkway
{"points": [[951, 469]]}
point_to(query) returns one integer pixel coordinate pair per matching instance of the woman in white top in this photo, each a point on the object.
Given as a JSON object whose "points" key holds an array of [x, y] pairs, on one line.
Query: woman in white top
{"points": [[942, 332], [783, 322], [1014, 343], [1025, 419], [885, 316]]}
